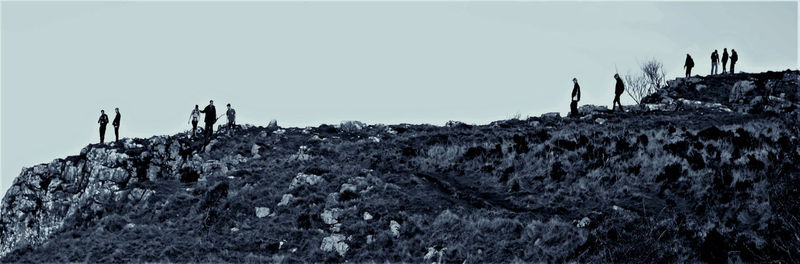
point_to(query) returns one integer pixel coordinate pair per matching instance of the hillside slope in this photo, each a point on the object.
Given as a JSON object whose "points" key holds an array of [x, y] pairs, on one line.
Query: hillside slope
{"points": [[691, 176]]}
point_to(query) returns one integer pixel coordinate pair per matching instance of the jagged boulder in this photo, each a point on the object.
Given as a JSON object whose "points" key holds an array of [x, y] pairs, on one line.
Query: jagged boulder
{"points": [[740, 89], [334, 242]]}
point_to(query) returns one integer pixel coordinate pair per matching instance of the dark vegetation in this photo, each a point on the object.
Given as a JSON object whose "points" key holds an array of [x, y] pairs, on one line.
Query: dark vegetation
{"points": [[650, 187]]}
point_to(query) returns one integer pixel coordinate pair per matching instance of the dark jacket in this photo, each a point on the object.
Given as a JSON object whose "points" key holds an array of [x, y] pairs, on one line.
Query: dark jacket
{"points": [[231, 115], [116, 120], [714, 57], [734, 57], [211, 114], [689, 62], [620, 87], [576, 92], [103, 120], [725, 56]]}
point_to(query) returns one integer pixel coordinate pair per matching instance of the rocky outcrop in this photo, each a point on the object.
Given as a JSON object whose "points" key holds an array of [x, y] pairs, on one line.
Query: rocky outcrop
{"points": [[43, 196], [744, 93]]}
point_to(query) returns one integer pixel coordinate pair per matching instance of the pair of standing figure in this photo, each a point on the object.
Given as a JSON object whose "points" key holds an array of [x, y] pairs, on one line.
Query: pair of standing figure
{"points": [[576, 96], [103, 121]]}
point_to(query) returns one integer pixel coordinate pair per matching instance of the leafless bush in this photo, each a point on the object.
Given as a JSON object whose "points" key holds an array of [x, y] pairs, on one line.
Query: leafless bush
{"points": [[649, 80]]}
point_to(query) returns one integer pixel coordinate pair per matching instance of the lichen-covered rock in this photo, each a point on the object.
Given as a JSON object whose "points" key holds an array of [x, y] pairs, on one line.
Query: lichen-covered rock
{"points": [[740, 89], [330, 216], [394, 227], [304, 179], [334, 242], [262, 212]]}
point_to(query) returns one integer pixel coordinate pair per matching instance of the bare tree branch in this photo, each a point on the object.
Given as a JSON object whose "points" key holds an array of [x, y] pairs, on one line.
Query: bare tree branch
{"points": [[651, 79]]}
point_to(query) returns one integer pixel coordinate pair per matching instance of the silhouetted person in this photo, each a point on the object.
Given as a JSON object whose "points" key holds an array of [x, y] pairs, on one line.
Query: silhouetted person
{"points": [[620, 87], [714, 62], [231, 117], [116, 125], [211, 118], [724, 59], [103, 121], [688, 65], [734, 59], [576, 96], [194, 117]]}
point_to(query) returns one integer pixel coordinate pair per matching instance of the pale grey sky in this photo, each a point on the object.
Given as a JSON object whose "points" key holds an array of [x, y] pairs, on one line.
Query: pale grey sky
{"points": [[309, 63]]}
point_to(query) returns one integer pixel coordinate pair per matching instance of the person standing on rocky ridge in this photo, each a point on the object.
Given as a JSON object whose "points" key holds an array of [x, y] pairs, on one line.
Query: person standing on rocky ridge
{"points": [[210, 119], [103, 121], [734, 59], [688, 65], [714, 62], [576, 96], [231, 117], [620, 87], [194, 117], [116, 125], [724, 59]]}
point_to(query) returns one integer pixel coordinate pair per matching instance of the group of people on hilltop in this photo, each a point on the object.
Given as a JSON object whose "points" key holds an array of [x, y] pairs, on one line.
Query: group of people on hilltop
{"points": [[689, 64], [619, 88], [211, 112], [210, 118]]}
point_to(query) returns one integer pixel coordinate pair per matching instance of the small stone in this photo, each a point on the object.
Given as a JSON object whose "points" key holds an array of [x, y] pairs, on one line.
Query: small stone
{"points": [[334, 242], [367, 216], [254, 150], [395, 228], [347, 187], [304, 179], [330, 216], [286, 199], [583, 222], [700, 87], [262, 212], [600, 121], [429, 255], [234, 229]]}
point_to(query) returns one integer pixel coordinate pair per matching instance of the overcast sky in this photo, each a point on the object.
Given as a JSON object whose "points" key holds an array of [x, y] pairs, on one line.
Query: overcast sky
{"points": [[324, 62]]}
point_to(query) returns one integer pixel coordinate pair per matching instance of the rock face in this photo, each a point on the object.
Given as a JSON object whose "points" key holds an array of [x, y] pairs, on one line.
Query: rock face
{"points": [[42, 196], [743, 93]]}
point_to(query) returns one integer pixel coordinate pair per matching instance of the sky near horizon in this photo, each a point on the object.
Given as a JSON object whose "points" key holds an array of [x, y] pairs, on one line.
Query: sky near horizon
{"points": [[308, 63]]}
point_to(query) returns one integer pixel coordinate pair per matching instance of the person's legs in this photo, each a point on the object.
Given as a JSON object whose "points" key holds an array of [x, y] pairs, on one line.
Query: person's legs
{"points": [[209, 129], [194, 127], [732, 63], [102, 133], [713, 68], [616, 102], [724, 66], [573, 108], [116, 133]]}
